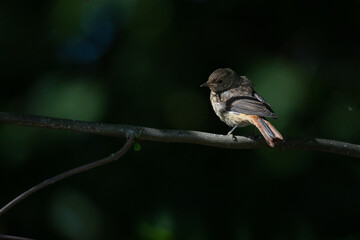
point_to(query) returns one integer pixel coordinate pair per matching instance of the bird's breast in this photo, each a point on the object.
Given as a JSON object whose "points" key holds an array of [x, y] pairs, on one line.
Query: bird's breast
{"points": [[230, 118]]}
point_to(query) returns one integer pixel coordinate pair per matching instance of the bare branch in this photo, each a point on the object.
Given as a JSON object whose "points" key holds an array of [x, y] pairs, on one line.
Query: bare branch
{"points": [[69, 173], [8, 237], [179, 136]]}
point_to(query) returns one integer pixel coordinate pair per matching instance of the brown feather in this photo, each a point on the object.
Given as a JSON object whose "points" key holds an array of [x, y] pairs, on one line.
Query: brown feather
{"points": [[266, 129], [274, 130]]}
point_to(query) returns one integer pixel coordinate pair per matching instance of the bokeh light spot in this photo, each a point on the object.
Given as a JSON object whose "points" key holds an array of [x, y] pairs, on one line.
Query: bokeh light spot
{"points": [[75, 216], [67, 98], [162, 228]]}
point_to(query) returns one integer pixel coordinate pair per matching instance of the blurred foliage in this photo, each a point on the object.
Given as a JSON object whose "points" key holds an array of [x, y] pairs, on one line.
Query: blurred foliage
{"points": [[141, 62], [160, 229], [281, 76], [74, 216], [15, 138], [67, 98]]}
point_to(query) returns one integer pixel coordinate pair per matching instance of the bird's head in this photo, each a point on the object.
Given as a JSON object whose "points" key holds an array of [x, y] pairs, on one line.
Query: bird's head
{"points": [[221, 80]]}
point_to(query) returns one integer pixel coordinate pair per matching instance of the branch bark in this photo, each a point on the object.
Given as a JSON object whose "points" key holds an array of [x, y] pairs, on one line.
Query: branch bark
{"points": [[69, 173], [179, 136], [9, 237]]}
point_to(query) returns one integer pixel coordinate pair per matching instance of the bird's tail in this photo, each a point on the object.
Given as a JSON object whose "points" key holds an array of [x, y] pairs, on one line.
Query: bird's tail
{"points": [[268, 131]]}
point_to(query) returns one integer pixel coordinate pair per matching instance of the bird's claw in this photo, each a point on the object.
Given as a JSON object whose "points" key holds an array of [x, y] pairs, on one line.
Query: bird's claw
{"points": [[232, 136]]}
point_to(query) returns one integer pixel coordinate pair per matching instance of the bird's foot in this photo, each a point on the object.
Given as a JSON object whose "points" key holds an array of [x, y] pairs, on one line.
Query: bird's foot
{"points": [[232, 136]]}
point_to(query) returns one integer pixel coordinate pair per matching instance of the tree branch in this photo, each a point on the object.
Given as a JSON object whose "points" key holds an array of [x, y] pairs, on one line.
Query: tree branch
{"points": [[69, 173], [9, 237], [179, 136]]}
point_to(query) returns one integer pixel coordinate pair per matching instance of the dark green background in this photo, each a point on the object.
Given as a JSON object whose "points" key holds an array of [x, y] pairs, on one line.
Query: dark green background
{"points": [[141, 62]]}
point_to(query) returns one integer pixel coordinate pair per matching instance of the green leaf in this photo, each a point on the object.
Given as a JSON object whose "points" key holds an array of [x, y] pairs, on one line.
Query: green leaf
{"points": [[137, 147]]}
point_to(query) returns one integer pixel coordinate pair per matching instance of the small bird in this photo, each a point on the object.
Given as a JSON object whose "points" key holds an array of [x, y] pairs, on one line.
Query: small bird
{"points": [[237, 104]]}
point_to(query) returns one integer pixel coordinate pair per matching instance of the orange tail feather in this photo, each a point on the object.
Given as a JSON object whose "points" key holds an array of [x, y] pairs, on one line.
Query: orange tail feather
{"points": [[274, 130], [266, 129]]}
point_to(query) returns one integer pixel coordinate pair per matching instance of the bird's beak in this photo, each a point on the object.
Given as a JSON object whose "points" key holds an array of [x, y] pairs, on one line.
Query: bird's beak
{"points": [[205, 84]]}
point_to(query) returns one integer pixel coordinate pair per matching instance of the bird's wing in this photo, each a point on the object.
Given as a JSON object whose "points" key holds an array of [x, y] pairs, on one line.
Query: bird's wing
{"points": [[249, 105]]}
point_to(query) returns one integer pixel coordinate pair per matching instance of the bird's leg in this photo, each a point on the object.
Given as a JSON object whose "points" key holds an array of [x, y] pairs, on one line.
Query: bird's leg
{"points": [[229, 133]]}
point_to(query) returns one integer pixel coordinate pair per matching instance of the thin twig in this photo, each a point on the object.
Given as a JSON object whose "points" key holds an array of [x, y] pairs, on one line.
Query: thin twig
{"points": [[9, 237], [180, 136], [69, 173]]}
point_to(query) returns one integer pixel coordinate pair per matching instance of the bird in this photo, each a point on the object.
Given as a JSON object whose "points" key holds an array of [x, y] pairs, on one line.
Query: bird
{"points": [[237, 104]]}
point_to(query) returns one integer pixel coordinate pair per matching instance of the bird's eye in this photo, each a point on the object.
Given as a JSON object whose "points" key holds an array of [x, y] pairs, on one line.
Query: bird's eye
{"points": [[219, 81]]}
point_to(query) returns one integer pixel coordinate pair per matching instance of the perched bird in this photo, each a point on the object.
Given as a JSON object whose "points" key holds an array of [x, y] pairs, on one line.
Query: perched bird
{"points": [[237, 104]]}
